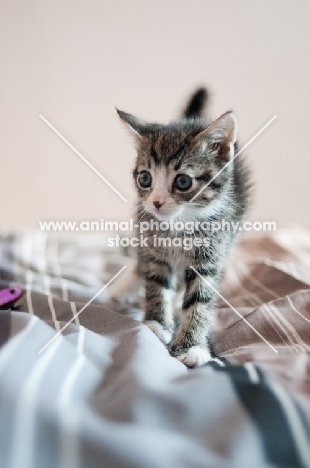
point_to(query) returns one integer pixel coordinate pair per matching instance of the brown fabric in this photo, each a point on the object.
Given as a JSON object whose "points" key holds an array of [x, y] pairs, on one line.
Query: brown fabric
{"points": [[268, 282]]}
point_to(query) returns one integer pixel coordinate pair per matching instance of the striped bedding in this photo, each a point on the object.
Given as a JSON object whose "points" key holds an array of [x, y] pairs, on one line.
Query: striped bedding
{"points": [[106, 393]]}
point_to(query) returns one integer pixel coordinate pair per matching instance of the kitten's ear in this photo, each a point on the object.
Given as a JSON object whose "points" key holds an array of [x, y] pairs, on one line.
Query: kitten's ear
{"points": [[220, 135], [137, 126], [224, 128]]}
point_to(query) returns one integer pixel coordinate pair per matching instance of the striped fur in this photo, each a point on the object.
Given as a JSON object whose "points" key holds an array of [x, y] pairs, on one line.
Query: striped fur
{"points": [[198, 148]]}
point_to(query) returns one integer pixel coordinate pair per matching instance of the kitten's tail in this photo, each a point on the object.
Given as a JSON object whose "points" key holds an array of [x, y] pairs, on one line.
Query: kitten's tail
{"points": [[196, 104]]}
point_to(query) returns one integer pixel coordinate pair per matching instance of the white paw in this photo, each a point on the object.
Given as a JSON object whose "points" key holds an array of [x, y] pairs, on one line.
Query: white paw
{"points": [[195, 356], [164, 335]]}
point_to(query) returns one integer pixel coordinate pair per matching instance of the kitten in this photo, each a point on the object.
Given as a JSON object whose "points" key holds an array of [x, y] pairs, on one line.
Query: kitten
{"points": [[174, 162]]}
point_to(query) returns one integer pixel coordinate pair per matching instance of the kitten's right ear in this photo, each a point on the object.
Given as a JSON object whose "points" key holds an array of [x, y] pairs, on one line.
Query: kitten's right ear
{"points": [[136, 125]]}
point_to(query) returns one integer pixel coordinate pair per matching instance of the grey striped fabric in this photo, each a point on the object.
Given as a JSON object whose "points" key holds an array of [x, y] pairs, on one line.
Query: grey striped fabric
{"points": [[106, 393]]}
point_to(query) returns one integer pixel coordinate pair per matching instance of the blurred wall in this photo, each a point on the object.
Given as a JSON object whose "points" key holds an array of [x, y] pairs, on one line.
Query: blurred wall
{"points": [[73, 61]]}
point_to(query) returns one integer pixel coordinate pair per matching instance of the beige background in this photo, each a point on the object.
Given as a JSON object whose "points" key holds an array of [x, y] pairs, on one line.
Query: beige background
{"points": [[73, 61]]}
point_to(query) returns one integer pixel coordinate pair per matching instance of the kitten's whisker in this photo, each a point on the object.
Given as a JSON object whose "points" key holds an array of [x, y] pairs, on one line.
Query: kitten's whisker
{"points": [[141, 211], [189, 214], [138, 214], [197, 204], [188, 219], [143, 214], [179, 219], [193, 213], [125, 211]]}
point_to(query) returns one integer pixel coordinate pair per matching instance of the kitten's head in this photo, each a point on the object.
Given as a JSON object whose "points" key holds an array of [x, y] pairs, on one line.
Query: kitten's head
{"points": [[175, 161]]}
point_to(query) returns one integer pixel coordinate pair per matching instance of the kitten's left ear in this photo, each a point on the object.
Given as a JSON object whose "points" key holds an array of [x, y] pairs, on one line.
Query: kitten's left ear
{"points": [[138, 126], [225, 127], [220, 135]]}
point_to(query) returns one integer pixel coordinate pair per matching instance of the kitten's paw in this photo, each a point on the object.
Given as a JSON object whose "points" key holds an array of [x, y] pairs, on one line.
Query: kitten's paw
{"points": [[192, 357], [163, 334]]}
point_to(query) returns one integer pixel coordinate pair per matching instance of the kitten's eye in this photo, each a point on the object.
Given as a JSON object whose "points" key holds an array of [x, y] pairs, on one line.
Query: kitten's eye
{"points": [[145, 179], [182, 182]]}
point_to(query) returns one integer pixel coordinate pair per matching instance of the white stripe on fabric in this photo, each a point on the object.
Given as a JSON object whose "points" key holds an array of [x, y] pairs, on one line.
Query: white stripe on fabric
{"points": [[63, 282], [53, 312], [81, 339], [54, 260], [29, 279], [290, 329], [258, 302], [252, 372], [298, 431], [281, 327], [24, 436], [47, 291], [69, 446], [14, 342], [293, 270], [74, 311], [295, 310], [255, 281], [264, 288], [273, 322], [218, 361]]}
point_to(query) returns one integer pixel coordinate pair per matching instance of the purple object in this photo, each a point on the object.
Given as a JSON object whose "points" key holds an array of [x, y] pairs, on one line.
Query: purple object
{"points": [[8, 296]]}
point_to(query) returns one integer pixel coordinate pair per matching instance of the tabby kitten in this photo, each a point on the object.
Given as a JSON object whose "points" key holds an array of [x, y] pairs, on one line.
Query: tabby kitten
{"points": [[174, 162]]}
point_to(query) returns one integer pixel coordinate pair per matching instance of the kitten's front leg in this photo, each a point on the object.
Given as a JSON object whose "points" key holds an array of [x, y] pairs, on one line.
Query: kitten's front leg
{"points": [[191, 344], [159, 295]]}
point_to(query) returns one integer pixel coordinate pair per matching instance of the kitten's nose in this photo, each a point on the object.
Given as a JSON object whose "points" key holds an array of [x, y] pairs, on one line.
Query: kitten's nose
{"points": [[157, 204]]}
